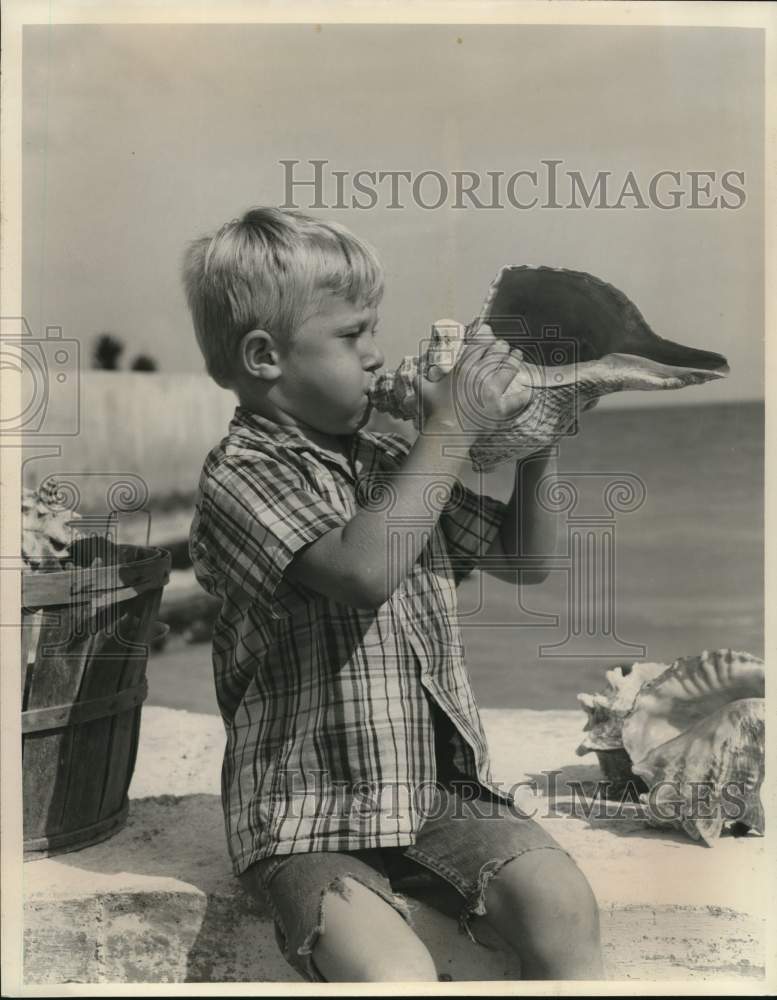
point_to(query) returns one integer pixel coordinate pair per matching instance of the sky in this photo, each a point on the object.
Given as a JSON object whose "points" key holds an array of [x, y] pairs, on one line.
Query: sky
{"points": [[137, 138]]}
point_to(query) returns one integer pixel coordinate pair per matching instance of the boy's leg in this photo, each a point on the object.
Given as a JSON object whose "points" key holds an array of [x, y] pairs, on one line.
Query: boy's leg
{"points": [[337, 918], [364, 939], [514, 876], [541, 904]]}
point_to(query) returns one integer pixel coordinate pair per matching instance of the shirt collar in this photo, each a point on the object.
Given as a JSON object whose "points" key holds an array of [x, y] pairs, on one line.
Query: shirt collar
{"points": [[248, 424]]}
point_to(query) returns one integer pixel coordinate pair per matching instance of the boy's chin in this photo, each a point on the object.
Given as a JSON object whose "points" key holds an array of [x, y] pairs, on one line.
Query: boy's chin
{"points": [[350, 421], [364, 416]]}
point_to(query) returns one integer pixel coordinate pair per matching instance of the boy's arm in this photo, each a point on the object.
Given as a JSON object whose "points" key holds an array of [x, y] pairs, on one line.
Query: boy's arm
{"points": [[355, 563], [528, 536]]}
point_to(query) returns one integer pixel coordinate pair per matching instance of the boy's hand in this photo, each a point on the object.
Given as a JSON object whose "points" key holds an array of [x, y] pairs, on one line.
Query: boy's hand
{"points": [[473, 398]]}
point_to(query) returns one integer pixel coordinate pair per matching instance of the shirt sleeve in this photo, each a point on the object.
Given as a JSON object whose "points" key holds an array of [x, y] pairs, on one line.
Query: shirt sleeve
{"points": [[255, 514], [469, 522]]}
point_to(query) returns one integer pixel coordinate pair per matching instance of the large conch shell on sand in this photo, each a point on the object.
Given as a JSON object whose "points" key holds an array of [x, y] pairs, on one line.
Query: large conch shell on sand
{"points": [[580, 339], [693, 731], [692, 688], [709, 777]]}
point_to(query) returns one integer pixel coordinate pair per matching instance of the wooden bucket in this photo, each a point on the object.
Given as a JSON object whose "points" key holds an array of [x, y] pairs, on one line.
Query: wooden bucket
{"points": [[85, 636]]}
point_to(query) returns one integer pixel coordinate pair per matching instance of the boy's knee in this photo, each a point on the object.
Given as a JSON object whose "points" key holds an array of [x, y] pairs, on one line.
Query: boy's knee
{"points": [[565, 939], [542, 904], [576, 911], [550, 892], [402, 967]]}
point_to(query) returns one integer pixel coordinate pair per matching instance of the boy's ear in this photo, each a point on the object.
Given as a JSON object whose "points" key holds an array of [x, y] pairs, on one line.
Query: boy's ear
{"points": [[259, 355]]}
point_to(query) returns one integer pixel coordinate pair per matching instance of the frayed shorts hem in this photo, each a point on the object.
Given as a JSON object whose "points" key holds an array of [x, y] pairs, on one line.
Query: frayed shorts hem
{"points": [[451, 864]]}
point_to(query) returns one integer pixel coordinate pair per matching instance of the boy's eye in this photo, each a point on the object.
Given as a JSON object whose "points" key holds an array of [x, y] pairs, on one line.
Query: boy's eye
{"points": [[354, 334]]}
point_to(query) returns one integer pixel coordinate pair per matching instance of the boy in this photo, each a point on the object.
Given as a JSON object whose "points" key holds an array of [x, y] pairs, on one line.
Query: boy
{"points": [[338, 666]]}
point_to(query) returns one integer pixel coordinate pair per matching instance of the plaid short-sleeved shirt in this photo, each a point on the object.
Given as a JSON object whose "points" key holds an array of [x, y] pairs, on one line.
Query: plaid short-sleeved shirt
{"points": [[328, 709]]}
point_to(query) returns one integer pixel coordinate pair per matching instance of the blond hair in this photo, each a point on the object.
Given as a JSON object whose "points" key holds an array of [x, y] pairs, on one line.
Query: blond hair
{"points": [[262, 272]]}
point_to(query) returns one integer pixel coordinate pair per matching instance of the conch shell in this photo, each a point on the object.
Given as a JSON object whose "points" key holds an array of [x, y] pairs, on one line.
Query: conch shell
{"points": [[607, 710], [693, 732], [47, 532], [690, 690], [588, 341], [709, 777], [395, 392]]}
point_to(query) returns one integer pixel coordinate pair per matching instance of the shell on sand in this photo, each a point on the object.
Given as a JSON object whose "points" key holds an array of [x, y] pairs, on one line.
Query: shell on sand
{"points": [[709, 777], [47, 529], [693, 732], [580, 337], [690, 690], [607, 709]]}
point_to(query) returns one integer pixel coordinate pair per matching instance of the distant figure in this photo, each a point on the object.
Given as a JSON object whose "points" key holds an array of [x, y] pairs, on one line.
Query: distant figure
{"points": [[107, 351], [143, 363]]}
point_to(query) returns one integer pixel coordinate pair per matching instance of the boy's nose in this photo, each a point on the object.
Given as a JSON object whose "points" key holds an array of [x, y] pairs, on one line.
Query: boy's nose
{"points": [[376, 361]]}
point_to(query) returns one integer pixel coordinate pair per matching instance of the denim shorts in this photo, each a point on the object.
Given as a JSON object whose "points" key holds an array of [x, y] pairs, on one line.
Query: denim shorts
{"points": [[466, 839]]}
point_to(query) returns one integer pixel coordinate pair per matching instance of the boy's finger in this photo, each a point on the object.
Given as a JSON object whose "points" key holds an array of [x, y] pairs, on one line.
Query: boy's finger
{"points": [[516, 399], [486, 345], [448, 329], [483, 334], [512, 369], [475, 350], [497, 355]]}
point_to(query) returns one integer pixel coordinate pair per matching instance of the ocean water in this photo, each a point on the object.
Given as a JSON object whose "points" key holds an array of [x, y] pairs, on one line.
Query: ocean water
{"points": [[688, 562], [688, 565]]}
